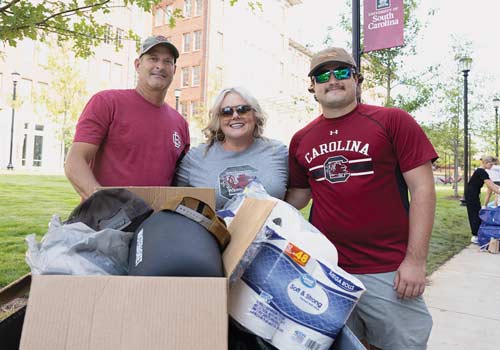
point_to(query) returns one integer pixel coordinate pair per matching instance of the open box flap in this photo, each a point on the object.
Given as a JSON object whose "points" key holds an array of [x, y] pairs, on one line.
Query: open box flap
{"points": [[244, 227], [16, 289]]}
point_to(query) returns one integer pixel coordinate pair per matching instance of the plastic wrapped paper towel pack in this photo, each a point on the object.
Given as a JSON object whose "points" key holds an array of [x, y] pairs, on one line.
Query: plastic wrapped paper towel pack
{"points": [[288, 288]]}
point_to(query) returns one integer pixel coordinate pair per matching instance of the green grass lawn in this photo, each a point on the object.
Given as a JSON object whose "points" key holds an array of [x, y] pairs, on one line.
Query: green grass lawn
{"points": [[451, 232], [27, 205], [28, 202]]}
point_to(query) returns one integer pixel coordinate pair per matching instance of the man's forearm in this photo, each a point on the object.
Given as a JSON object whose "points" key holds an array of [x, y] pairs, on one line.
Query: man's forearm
{"points": [[422, 209], [81, 177]]}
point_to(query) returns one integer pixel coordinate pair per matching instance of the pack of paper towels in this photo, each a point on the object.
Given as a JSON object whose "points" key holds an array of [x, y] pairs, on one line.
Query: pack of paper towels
{"points": [[289, 289]]}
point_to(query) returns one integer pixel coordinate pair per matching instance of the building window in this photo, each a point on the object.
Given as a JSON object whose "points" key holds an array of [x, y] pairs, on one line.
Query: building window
{"points": [[119, 37], [197, 40], [116, 75], [198, 7], [37, 151], [220, 41], [107, 34], [25, 89], [187, 8], [194, 108], [43, 87], [196, 76], [218, 77], [185, 77], [183, 109], [169, 10], [39, 127], [25, 141], [186, 42], [159, 17], [106, 71]]}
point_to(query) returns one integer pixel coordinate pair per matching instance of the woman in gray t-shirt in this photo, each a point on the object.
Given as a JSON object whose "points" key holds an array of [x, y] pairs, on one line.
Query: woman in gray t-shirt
{"points": [[235, 151]]}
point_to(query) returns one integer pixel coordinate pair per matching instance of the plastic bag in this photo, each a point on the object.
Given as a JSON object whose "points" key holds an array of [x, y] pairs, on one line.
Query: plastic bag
{"points": [[485, 233], [76, 249], [490, 216]]}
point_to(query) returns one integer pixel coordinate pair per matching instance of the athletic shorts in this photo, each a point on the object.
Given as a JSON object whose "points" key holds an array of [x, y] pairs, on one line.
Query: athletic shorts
{"points": [[386, 321]]}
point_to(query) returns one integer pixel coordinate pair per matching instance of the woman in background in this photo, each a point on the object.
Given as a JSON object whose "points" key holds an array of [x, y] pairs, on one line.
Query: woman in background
{"points": [[479, 178]]}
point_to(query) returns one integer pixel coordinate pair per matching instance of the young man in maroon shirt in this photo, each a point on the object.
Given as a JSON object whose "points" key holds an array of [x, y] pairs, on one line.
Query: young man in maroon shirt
{"points": [[358, 162]]}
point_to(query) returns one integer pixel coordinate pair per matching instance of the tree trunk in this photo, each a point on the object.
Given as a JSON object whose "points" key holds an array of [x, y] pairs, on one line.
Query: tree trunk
{"points": [[455, 168]]}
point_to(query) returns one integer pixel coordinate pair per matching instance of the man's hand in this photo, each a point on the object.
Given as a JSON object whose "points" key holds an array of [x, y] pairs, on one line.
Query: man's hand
{"points": [[298, 197], [409, 281]]}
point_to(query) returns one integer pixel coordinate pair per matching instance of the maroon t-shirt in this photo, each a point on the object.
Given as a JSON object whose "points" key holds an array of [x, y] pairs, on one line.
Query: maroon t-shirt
{"points": [[139, 143], [354, 165]]}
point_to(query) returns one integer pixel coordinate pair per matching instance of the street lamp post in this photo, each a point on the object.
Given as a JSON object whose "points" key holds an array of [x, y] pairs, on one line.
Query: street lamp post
{"points": [[15, 79], [465, 64], [177, 94], [496, 102]]}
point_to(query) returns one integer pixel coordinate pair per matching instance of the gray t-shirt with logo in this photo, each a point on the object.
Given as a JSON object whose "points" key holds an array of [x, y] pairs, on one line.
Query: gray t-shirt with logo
{"points": [[229, 172]]}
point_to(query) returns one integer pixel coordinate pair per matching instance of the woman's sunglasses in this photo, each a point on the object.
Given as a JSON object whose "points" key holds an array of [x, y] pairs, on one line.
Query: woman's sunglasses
{"points": [[339, 74], [241, 110]]}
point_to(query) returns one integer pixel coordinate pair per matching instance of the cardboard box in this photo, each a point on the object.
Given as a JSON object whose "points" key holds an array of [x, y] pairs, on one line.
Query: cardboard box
{"points": [[129, 312], [122, 312]]}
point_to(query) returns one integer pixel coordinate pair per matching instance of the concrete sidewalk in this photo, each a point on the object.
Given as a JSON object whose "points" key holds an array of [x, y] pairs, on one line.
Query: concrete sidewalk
{"points": [[464, 300]]}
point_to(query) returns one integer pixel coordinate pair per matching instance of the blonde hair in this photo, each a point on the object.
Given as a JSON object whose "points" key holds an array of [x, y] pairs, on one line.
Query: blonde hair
{"points": [[213, 131], [489, 159]]}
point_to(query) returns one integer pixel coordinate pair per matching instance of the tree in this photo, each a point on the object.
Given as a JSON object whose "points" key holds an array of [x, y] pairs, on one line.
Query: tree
{"points": [[73, 21], [446, 130], [385, 68], [65, 96], [68, 19]]}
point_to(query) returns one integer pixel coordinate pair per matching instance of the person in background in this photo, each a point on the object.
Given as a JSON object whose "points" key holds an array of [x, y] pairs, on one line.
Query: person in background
{"points": [[235, 151], [479, 178], [494, 174], [358, 162], [131, 137]]}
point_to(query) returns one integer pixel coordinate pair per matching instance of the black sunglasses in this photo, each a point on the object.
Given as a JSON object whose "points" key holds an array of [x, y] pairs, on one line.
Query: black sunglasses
{"points": [[241, 110]]}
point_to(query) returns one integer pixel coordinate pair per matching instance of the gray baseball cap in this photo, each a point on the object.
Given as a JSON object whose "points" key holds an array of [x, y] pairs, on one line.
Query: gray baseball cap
{"points": [[152, 41]]}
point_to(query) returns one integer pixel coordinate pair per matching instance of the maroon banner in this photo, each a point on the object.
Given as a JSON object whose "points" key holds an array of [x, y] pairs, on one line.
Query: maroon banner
{"points": [[383, 24]]}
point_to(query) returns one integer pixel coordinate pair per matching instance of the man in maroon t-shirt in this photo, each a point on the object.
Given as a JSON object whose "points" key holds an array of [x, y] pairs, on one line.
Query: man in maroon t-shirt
{"points": [[131, 137], [358, 162]]}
